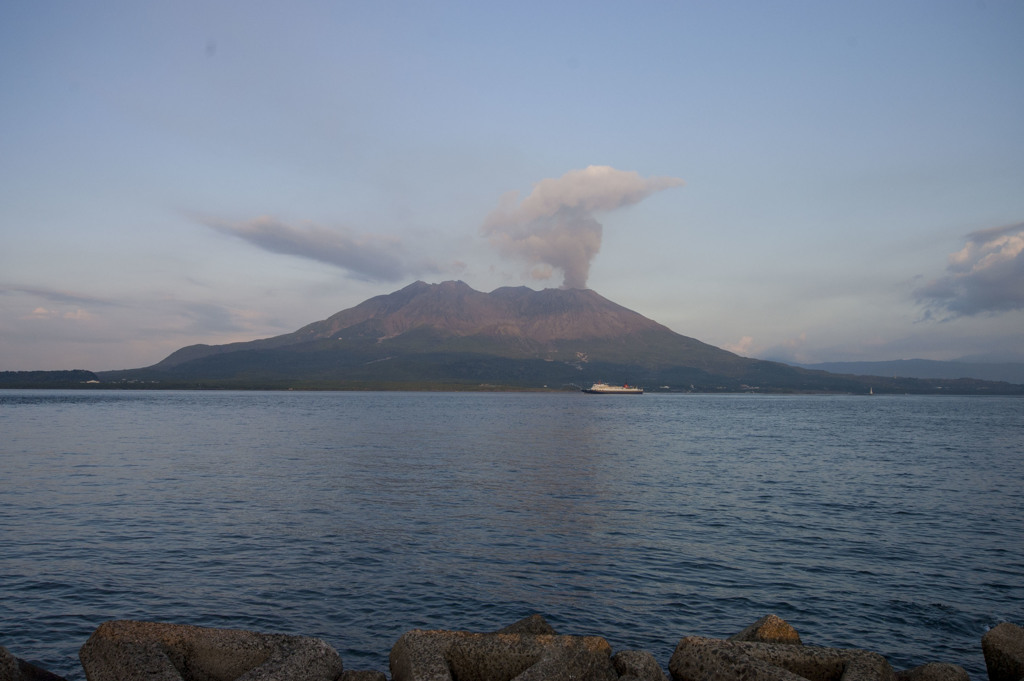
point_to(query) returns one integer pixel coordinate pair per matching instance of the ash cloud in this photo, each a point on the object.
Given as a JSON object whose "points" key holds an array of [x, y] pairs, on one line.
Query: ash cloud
{"points": [[365, 256], [986, 275], [555, 227]]}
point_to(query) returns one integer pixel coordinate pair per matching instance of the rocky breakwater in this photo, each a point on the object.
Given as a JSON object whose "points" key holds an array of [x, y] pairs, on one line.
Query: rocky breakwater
{"points": [[771, 650], [529, 650]]}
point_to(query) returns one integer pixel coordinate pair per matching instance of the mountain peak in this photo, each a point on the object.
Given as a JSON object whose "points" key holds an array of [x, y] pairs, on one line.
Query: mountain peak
{"points": [[453, 310]]}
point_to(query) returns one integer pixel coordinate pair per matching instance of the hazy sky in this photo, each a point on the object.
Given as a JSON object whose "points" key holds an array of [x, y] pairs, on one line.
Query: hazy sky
{"points": [[806, 181]]}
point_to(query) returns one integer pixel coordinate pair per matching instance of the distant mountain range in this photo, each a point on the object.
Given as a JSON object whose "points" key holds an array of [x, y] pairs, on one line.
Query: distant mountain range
{"points": [[449, 336], [1011, 372]]}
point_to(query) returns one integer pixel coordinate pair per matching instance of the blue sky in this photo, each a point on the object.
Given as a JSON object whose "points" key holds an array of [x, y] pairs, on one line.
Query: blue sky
{"points": [[805, 181]]}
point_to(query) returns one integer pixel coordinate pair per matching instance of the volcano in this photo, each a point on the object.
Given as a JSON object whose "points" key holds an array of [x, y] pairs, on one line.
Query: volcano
{"points": [[450, 336]]}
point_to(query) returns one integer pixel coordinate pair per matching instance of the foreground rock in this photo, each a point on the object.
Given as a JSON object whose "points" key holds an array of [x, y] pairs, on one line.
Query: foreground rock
{"points": [[126, 650], [529, 650], [708, 659], [934, 671], [534, 624], [15, 669], [349, 675], [769, 629], [446, 655], [1003, 646], [637, 665], [771, 650]]}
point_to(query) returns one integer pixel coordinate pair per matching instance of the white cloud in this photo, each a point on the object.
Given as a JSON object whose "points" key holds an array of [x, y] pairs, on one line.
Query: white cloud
{"points": [[40, 313], [366, 256], [741, 347], [54, 296], [986, 275], [77, 314], [793, 350]]}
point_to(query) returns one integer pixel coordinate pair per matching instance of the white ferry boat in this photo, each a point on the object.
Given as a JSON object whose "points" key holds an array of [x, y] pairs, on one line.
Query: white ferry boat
{"points": [[605, 389]]}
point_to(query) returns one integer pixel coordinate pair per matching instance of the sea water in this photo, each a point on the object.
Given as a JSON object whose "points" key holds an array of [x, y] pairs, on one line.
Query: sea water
{"points": [[891, 523]]}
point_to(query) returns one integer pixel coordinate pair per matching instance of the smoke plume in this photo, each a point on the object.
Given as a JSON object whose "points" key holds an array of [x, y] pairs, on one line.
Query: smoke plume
{"points": [[554, 227]]}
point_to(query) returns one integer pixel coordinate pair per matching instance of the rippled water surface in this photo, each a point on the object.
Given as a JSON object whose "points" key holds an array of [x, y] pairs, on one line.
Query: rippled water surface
{"points": [[889, 523]]}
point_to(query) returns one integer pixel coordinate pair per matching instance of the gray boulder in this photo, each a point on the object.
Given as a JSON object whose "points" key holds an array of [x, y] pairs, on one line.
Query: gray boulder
{"points": [[1003, 646], [16, 669], [708, 659], [446, 655], [769, 629], [125, 650]]}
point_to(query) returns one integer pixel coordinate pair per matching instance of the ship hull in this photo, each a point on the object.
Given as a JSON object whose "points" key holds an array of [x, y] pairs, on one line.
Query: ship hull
{"points": [[605, 389]]}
